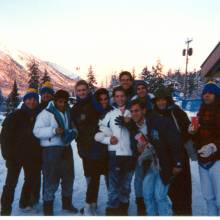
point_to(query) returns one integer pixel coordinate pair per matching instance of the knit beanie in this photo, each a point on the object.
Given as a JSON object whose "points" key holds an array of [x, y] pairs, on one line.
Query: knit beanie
{"points": [[47, 87], [31, 93], [211, 87]]}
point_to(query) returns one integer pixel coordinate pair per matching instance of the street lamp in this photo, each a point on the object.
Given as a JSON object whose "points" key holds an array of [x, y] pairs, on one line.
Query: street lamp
{"points": [[187, 52]]}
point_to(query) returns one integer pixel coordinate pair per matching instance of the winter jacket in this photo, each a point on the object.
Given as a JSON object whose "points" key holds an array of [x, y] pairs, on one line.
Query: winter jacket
{"points": [[85, 117], [123, 147], [178, 116], [209, 130], [165, 138], [46, 124], [18, 141]]}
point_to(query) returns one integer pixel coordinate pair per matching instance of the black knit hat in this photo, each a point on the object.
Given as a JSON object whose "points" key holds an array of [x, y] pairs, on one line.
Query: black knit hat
{"points": [[61, 94]]}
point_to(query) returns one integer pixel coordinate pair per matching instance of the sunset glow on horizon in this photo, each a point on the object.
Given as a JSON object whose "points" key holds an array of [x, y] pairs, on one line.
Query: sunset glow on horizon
{"points": [[111, 35]]}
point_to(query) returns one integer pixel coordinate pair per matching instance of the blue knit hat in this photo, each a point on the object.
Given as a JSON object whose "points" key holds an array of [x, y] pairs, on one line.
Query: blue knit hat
{"points": [[31, 93], [47, 87], [211, 87]]}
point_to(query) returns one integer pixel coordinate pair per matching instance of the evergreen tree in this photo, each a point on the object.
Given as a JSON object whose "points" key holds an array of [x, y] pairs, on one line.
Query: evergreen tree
{"points": [[91, 79], [153, 78], [45, 78], [13, 99], [145, 74], [34, 73], [1, 97]]}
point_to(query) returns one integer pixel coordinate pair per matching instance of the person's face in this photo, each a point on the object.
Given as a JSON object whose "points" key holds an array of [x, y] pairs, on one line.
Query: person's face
{"points": [[61, 104], [82, 91], [126, 82], [103, 100], [161, 103], [46, 97], [137, 113], [31, 103], [209, 98], [120, 98], [141, 91]]}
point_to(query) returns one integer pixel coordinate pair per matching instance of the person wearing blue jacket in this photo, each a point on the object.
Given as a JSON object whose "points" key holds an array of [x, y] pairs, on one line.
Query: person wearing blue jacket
{"points": [[160, 154]]}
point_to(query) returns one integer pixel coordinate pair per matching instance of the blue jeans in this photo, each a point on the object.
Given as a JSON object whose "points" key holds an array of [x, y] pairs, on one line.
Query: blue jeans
{"points": [[210, 185], [57, 165], [120, 177], [138, 180], [155, 194]]}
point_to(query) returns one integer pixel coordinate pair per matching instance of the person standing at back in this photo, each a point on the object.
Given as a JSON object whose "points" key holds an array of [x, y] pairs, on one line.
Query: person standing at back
{"points": [[47, 94], [127, 83]]}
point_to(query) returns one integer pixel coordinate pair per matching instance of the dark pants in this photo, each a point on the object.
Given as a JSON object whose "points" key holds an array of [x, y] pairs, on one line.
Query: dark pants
{"points": [[120, 175], [31, 187], [93, 169], [57, 165], [180, 191]]}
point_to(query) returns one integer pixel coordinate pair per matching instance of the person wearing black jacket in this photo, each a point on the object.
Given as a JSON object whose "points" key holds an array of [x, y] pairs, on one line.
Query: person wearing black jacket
{"points": [[160, 137], [180, 191], [85, 115], [21, 149]]}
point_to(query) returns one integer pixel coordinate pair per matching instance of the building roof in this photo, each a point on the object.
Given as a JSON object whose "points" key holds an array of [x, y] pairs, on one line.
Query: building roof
{"points": [[212, 60]]}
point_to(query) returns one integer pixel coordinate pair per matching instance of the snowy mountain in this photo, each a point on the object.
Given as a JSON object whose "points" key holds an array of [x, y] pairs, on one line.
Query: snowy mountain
{"points": [[64, 70], [14, 63]]}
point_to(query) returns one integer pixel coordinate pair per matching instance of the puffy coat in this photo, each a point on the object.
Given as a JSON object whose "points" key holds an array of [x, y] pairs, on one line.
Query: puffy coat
{"points": [[123, 147], [45, 126], [18, 141]]}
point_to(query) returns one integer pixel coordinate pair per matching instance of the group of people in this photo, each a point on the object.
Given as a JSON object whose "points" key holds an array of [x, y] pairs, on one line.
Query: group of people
{"points": [[122, 135]]}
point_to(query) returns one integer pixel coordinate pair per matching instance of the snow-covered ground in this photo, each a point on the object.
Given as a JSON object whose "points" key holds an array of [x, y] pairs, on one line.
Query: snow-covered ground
{"points": [[80, 188]]}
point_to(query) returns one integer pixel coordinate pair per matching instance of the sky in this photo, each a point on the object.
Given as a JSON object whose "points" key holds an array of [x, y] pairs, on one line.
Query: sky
{"points": [[111, 35]]}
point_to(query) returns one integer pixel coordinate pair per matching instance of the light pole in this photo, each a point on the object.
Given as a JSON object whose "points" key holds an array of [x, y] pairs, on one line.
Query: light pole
{"points": [[187, 52]]}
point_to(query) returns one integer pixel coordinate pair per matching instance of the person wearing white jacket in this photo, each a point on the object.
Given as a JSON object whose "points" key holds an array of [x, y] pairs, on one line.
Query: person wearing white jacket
{"points": [[120, 155], [54, 130]]}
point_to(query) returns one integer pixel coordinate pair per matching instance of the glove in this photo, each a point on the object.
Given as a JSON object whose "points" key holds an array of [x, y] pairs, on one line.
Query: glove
{"points": [[120, 121], [207, 150]]}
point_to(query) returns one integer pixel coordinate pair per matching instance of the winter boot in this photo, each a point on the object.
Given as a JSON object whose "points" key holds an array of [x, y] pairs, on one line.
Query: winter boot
{"points": [[88, 210], [24, 204], [48, 208], [68, 206], [123, 209], [111, 211], [6, 212], [141, 211]]}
